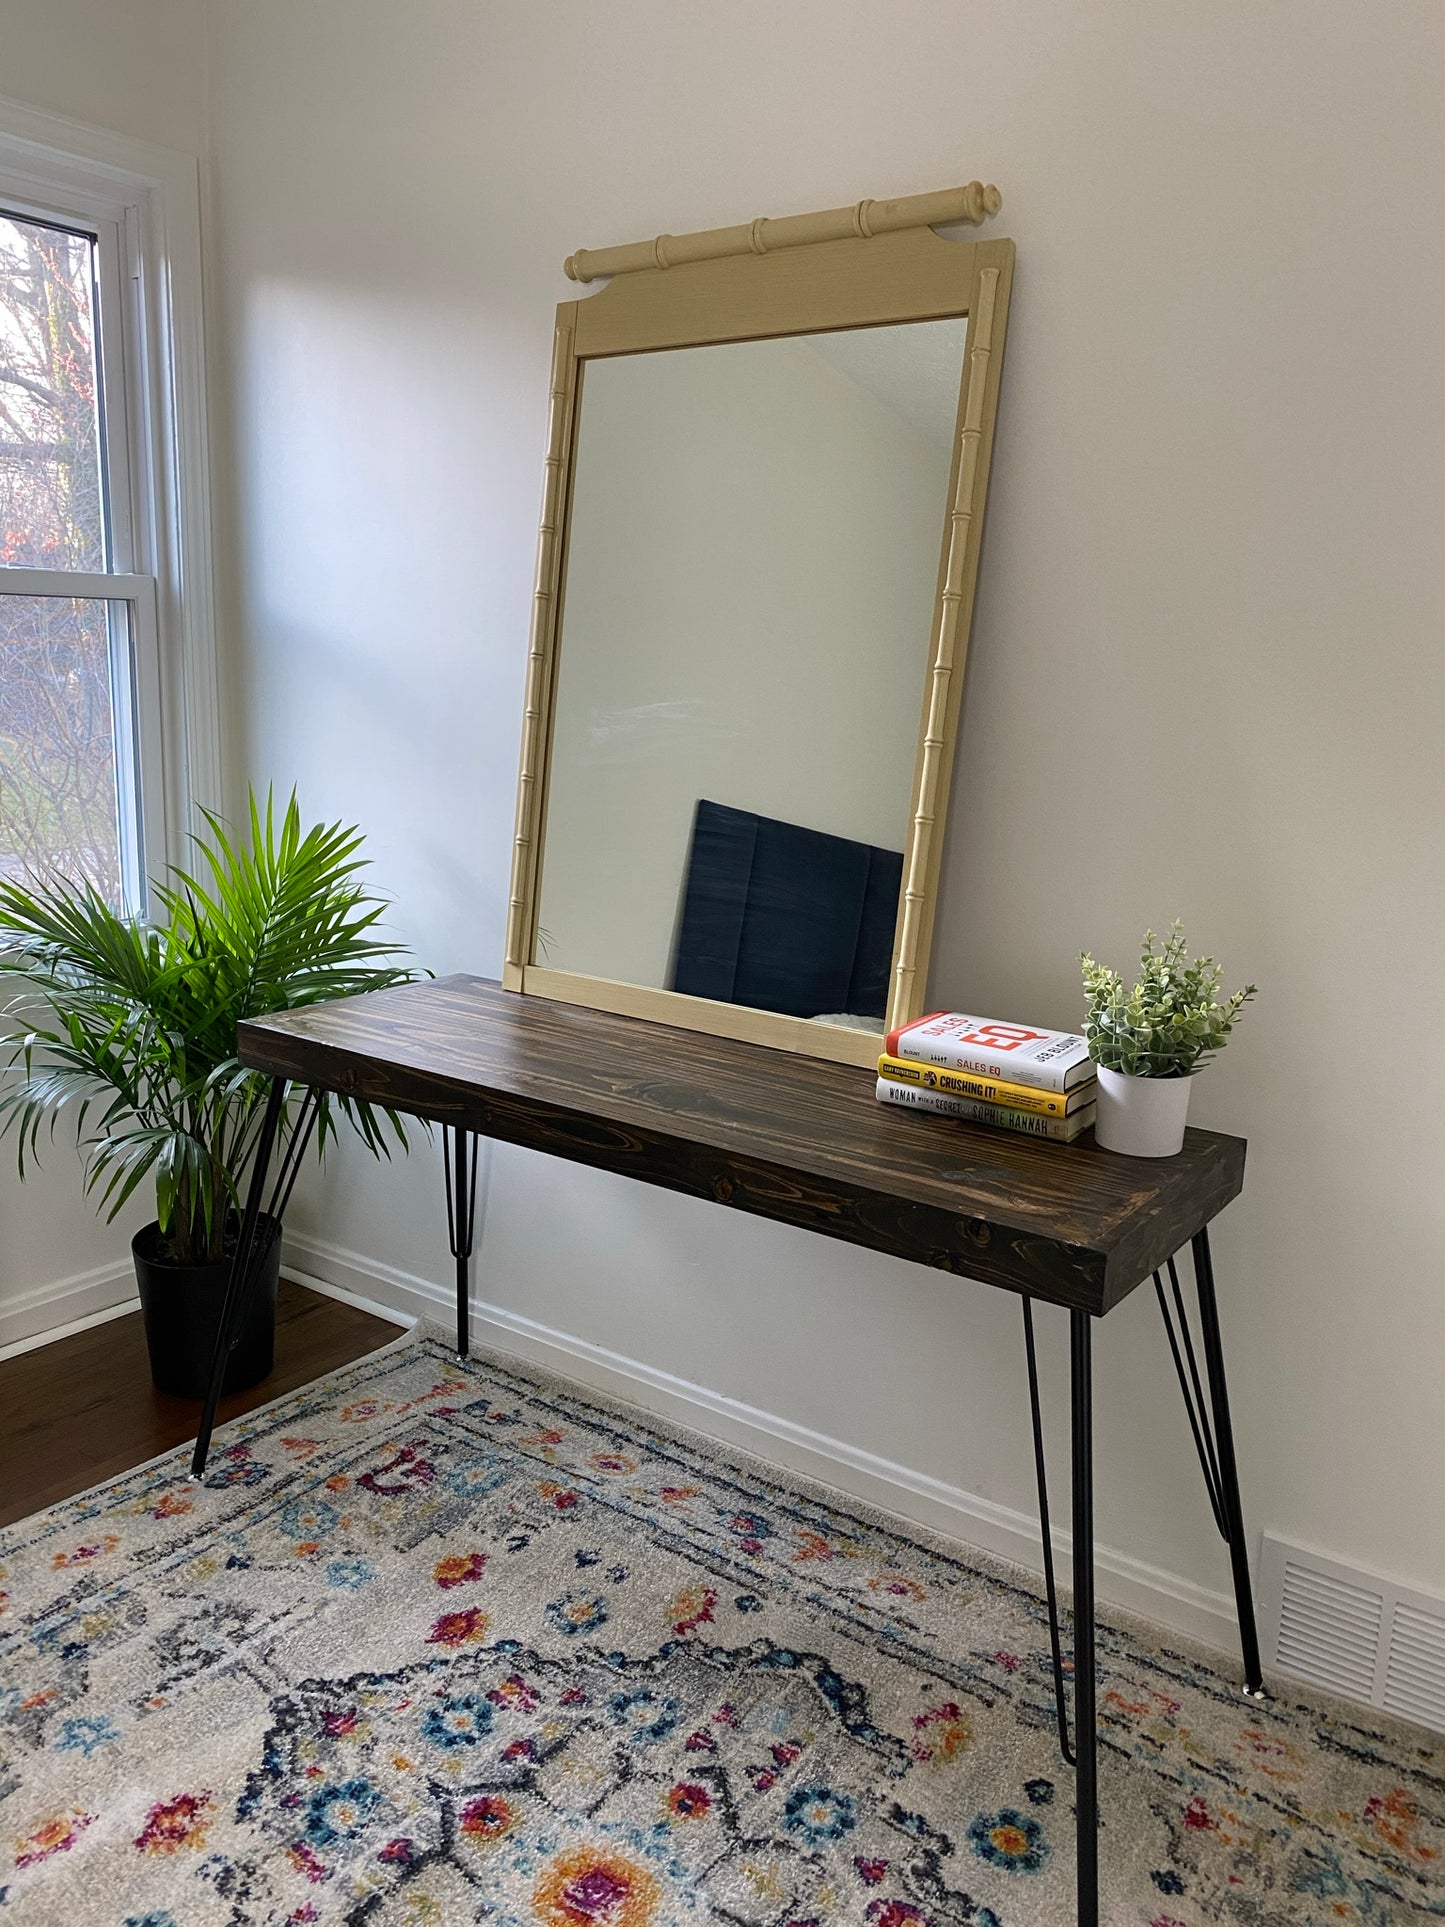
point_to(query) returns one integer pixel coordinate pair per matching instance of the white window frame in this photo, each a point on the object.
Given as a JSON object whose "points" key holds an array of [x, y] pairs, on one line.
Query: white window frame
{"points": [[143, 204]]}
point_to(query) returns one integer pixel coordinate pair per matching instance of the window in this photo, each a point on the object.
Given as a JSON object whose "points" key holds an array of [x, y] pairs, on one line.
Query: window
{"points": [[106, 682], [69, 776]]}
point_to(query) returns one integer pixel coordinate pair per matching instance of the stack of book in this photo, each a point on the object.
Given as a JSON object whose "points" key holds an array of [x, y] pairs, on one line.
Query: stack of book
{"points": [[1040, 1082]]}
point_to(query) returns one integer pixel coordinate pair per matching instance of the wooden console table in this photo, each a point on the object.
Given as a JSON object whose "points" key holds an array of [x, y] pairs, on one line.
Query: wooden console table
{"points": [[802, 1141]]}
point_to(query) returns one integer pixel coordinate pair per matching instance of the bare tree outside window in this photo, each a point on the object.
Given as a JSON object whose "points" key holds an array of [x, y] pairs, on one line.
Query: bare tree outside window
{"points": [[59, 805]]}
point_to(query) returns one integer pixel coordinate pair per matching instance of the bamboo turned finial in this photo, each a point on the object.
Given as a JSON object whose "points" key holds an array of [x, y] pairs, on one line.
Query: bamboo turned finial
{"points": [[973, 204]]}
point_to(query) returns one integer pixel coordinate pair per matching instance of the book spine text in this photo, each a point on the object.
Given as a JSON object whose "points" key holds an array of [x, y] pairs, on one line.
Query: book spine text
{"points": [[1062, 1130], [988, 1090]]}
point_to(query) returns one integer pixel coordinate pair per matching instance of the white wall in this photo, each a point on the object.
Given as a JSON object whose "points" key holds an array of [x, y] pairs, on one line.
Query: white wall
{"points": [[1206, 674], [136, 67], [751, 563]]}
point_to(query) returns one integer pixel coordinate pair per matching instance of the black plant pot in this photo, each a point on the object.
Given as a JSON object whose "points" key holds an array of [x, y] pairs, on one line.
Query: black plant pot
{"points": [[181, 1305]]}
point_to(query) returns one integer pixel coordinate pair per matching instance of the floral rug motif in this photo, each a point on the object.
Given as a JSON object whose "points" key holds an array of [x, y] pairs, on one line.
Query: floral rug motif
{"points": [[443, 1643]]}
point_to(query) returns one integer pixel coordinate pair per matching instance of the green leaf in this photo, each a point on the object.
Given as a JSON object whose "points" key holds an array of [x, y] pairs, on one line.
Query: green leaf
{"points": [[141, 1020], [1171, 1022]]}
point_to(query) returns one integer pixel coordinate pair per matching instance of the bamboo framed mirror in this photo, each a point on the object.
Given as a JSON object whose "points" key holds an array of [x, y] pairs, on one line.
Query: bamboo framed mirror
{"points": [[768, 455]]}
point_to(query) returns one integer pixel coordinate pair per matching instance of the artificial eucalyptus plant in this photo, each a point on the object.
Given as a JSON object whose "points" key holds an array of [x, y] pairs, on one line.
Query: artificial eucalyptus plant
{"points": [[1171, 1022], [131, 1027]]}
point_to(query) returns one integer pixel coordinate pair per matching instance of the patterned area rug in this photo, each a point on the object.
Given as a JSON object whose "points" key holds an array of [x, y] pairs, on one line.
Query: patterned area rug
{"points": [[441, 1644]]}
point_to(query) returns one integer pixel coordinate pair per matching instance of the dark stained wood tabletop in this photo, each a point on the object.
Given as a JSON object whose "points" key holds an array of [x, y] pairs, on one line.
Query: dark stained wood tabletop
{"points": [[787, 1137]]}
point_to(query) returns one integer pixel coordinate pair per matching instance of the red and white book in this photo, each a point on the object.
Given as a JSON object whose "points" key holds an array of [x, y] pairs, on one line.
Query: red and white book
{"points": [[1046, 1060]]}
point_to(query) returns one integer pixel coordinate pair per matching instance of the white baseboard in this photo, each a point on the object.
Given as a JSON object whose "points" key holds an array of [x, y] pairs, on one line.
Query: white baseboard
{"points": [[48, 1312], [345, 1294], [1164, 1597]]}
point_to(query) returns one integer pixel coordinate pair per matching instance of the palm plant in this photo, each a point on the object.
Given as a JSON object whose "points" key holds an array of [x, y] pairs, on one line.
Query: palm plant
{"points": [[131, 1028]]}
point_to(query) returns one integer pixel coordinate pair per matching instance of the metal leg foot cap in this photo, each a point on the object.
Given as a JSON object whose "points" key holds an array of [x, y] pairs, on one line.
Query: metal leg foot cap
{"points": [[1255, 1693]]}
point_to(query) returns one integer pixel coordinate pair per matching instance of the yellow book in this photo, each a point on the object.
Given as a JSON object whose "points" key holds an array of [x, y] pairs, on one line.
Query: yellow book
{"points": [[986, 1090]]}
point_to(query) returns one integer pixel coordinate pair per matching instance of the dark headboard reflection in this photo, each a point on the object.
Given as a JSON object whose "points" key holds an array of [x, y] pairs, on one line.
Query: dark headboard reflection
{"points": [[782, 918]]}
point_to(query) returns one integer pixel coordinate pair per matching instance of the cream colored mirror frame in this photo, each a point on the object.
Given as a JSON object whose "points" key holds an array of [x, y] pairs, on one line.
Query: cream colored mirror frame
{"points": [[872, 265]]}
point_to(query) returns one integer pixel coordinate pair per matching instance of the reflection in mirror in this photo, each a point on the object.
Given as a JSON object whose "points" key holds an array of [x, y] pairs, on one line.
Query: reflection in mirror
{"points": [[753, 550]]}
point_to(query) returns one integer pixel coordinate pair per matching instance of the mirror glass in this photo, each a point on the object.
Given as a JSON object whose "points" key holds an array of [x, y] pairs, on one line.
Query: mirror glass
{"points": [[752, 561]]}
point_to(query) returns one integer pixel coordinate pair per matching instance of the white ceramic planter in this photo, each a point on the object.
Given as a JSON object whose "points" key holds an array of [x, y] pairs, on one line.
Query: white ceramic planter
{"points": [[1141, 1116]]}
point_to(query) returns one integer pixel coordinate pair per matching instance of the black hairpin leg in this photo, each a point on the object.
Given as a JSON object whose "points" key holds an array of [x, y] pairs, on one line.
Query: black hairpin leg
{"points": [[1050, 1585], [1213, 1436], [1228, 1469], [459, 1163], [1083, 1754], [1086, 1736], [238, 1284]]}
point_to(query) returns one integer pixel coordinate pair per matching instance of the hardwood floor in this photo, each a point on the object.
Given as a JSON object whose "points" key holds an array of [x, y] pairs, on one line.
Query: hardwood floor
{"points": [[84, 1408]]}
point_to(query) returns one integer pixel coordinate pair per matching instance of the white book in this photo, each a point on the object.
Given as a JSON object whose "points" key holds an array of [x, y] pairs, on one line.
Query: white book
{"points": [[1063, 1130], [1047, 1060]]}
